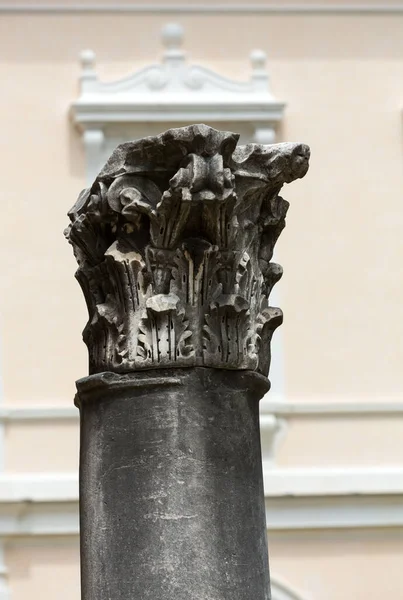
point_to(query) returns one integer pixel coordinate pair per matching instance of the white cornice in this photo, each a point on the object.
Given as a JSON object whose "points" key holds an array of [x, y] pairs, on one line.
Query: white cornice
{"points": [[353, 408], [207, 8], [353, 512], [324, 481], [32, 519], [107, 111], [278, 482], [289, 514], [325, 408], [38, 413], [296, 499], [38, 487]]}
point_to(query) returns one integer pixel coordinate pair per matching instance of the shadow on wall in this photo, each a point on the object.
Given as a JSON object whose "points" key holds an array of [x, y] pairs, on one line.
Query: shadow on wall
{"points": [[282, 591]]}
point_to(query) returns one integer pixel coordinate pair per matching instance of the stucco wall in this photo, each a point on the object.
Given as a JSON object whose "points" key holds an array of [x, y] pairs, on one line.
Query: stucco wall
{"points": [[341, 251], [342, 78]]}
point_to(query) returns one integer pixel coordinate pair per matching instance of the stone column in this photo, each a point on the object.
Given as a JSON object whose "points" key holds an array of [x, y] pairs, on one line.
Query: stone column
{"points": [[174, 241]]}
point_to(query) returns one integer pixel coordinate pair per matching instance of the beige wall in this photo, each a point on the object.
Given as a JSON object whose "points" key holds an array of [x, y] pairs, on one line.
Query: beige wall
{"points": [[342, 441], [342, 78], [341, 251], [350, 565], [44, 568], [354, 565]]}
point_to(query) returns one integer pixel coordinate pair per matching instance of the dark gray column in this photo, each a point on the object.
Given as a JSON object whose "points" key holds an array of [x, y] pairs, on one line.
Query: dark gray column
{"points": [[174, 242], [171, 490]]}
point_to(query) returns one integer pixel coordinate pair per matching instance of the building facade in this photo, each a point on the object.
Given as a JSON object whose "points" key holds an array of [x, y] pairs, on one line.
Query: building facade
{"points": [[332, 425]]}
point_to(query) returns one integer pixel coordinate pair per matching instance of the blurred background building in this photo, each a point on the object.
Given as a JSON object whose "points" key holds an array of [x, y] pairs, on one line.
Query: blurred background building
{"points": [[333, 424]]}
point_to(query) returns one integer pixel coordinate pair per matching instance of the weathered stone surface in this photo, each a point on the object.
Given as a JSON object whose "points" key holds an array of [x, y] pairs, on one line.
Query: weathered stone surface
{"points": [[174, 242], [171, 493]]}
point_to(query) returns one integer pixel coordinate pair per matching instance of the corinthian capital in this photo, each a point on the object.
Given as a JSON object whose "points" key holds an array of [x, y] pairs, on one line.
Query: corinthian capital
{"points": [[174, 242]]}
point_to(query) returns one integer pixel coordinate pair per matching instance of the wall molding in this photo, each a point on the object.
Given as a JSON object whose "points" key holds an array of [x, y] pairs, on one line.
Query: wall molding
{"points": [[353, 512], [34, 488], [353, 408], [206, 8], [326, 408], [39, 413], [46, 504], [286, 514], [332, 481], [279, 482]]}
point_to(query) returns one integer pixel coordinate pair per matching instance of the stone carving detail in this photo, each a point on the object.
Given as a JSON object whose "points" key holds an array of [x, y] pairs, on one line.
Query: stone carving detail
{"points": [[174, 242]]}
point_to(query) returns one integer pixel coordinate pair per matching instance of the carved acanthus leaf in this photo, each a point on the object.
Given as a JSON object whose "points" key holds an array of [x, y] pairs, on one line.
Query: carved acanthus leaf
{"points": [[174, 243]]}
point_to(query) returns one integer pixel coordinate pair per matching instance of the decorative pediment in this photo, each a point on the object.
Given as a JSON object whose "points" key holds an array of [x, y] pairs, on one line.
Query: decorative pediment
{"points": [[174, 91]]}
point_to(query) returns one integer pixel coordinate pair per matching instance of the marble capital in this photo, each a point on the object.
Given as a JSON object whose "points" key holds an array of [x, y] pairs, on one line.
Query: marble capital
{"points": [[174, 242]]}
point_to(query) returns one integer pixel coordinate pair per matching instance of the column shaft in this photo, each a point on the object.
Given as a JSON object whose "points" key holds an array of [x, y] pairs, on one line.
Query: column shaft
{"points": [[171, 492]]}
